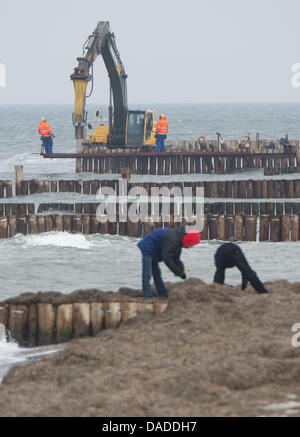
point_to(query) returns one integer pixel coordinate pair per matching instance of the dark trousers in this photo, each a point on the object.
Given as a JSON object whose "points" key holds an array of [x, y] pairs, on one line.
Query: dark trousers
{"points": [[151, 268], [48, 144], [160, 144]]}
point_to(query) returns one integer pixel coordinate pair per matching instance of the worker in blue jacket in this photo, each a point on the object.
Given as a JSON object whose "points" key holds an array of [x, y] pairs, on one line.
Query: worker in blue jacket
{"points": [[164, 244]]}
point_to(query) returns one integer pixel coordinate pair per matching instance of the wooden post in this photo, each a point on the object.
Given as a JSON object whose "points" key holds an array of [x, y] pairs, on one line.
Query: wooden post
{"points": [[22, 225], [113, 228], [125, 174], [63, 186], [283, 188], [250, 228], [40, 186], [78, 165], [290, 189], [294, 227], [112, 315], [47, 186], [24, 188], [214, 190], [264, 228], [4, 314], [87, 187], [95, 185], [275, 229], [129, 310], [221, 227], [50, 223], [285, 227], [71, 186], [81, 319], [229, 227], [18, 178], [248, 208], [86, 225], [41, 224], [78, 186], [12, 220], [59, 223], [32, 226], [2, 185], [53, 186], [134, 229], [297, 188], [160, 307], [17, 322], [46, 324], [212, 228], [270, 208], [76, 224], [64, 321], [32, 320], [8, 188], [67, 223], [238, 222], [97, 317], [3, 227], [270, 185], [264, 189]]}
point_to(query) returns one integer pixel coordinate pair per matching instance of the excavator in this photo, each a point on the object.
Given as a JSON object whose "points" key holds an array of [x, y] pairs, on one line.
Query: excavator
{"points": [[127, 128]]}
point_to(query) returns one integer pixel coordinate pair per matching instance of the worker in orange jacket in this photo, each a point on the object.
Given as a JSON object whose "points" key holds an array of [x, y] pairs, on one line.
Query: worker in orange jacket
{"points": [[161, 133], [46, 136]]}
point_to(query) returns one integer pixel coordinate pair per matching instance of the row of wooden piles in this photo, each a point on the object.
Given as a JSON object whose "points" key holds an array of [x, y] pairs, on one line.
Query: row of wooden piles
{"points": [[235, 189], [90, 208], [181, 163], [39, 324], [237, 227]]}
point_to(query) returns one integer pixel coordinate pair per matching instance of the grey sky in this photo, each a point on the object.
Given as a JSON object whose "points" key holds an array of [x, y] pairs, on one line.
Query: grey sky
{"points": [[173, 51]]}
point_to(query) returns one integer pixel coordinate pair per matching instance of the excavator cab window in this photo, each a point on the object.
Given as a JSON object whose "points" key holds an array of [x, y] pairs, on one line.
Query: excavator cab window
{"points": [[135, 128], [149, 125]]}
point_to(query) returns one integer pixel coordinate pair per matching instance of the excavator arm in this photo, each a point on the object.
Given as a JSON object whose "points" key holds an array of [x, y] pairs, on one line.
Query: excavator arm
{"points": [[101, 42]]}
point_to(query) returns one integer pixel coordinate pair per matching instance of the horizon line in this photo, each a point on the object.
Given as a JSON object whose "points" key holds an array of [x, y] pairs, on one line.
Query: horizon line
{"points": [[166, 103]]}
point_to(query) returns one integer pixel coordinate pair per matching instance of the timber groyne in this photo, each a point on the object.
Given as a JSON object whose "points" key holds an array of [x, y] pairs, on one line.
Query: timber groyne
{"points": [[174, 163], [235, 189], [237, 210], [234, 227], [50, 318]]}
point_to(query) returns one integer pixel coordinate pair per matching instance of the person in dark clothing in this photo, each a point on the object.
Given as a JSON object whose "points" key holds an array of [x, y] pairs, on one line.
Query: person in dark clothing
{"points": [[164, 244], [230, 255]]}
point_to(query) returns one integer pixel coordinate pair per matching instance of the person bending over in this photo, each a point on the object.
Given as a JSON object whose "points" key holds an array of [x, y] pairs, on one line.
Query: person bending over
{"points": [[164, 245], [229, 255]]}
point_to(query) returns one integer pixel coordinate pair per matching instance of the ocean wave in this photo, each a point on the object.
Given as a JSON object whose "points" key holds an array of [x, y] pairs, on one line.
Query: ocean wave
{"points": [[58, 239]]}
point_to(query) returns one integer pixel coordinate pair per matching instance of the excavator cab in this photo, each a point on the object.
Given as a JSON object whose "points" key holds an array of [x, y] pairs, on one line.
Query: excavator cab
{"points": [[140, 128]]}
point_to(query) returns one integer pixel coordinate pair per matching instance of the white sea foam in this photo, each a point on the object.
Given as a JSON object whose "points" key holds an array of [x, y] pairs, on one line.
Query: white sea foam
{"points": [[58, 239], [11, 353]]}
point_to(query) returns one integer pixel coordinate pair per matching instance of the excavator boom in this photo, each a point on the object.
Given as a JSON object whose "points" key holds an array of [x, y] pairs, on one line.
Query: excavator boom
{"points": [[101, 42]]}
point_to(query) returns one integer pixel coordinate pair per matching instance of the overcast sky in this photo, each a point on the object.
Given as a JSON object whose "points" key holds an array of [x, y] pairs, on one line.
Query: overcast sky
{"points": [[173, 51]]}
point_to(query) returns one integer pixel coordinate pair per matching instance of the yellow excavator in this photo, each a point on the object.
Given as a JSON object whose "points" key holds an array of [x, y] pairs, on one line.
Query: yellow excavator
{"points": [[127, 128]]}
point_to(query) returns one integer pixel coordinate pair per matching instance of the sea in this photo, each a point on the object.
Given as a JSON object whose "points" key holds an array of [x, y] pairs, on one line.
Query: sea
{"points": [[66, 262]]}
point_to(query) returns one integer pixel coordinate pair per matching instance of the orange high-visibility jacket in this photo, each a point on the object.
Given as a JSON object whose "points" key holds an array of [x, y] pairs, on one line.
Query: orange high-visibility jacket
{"points": [[162, 126], [45, 129]]}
